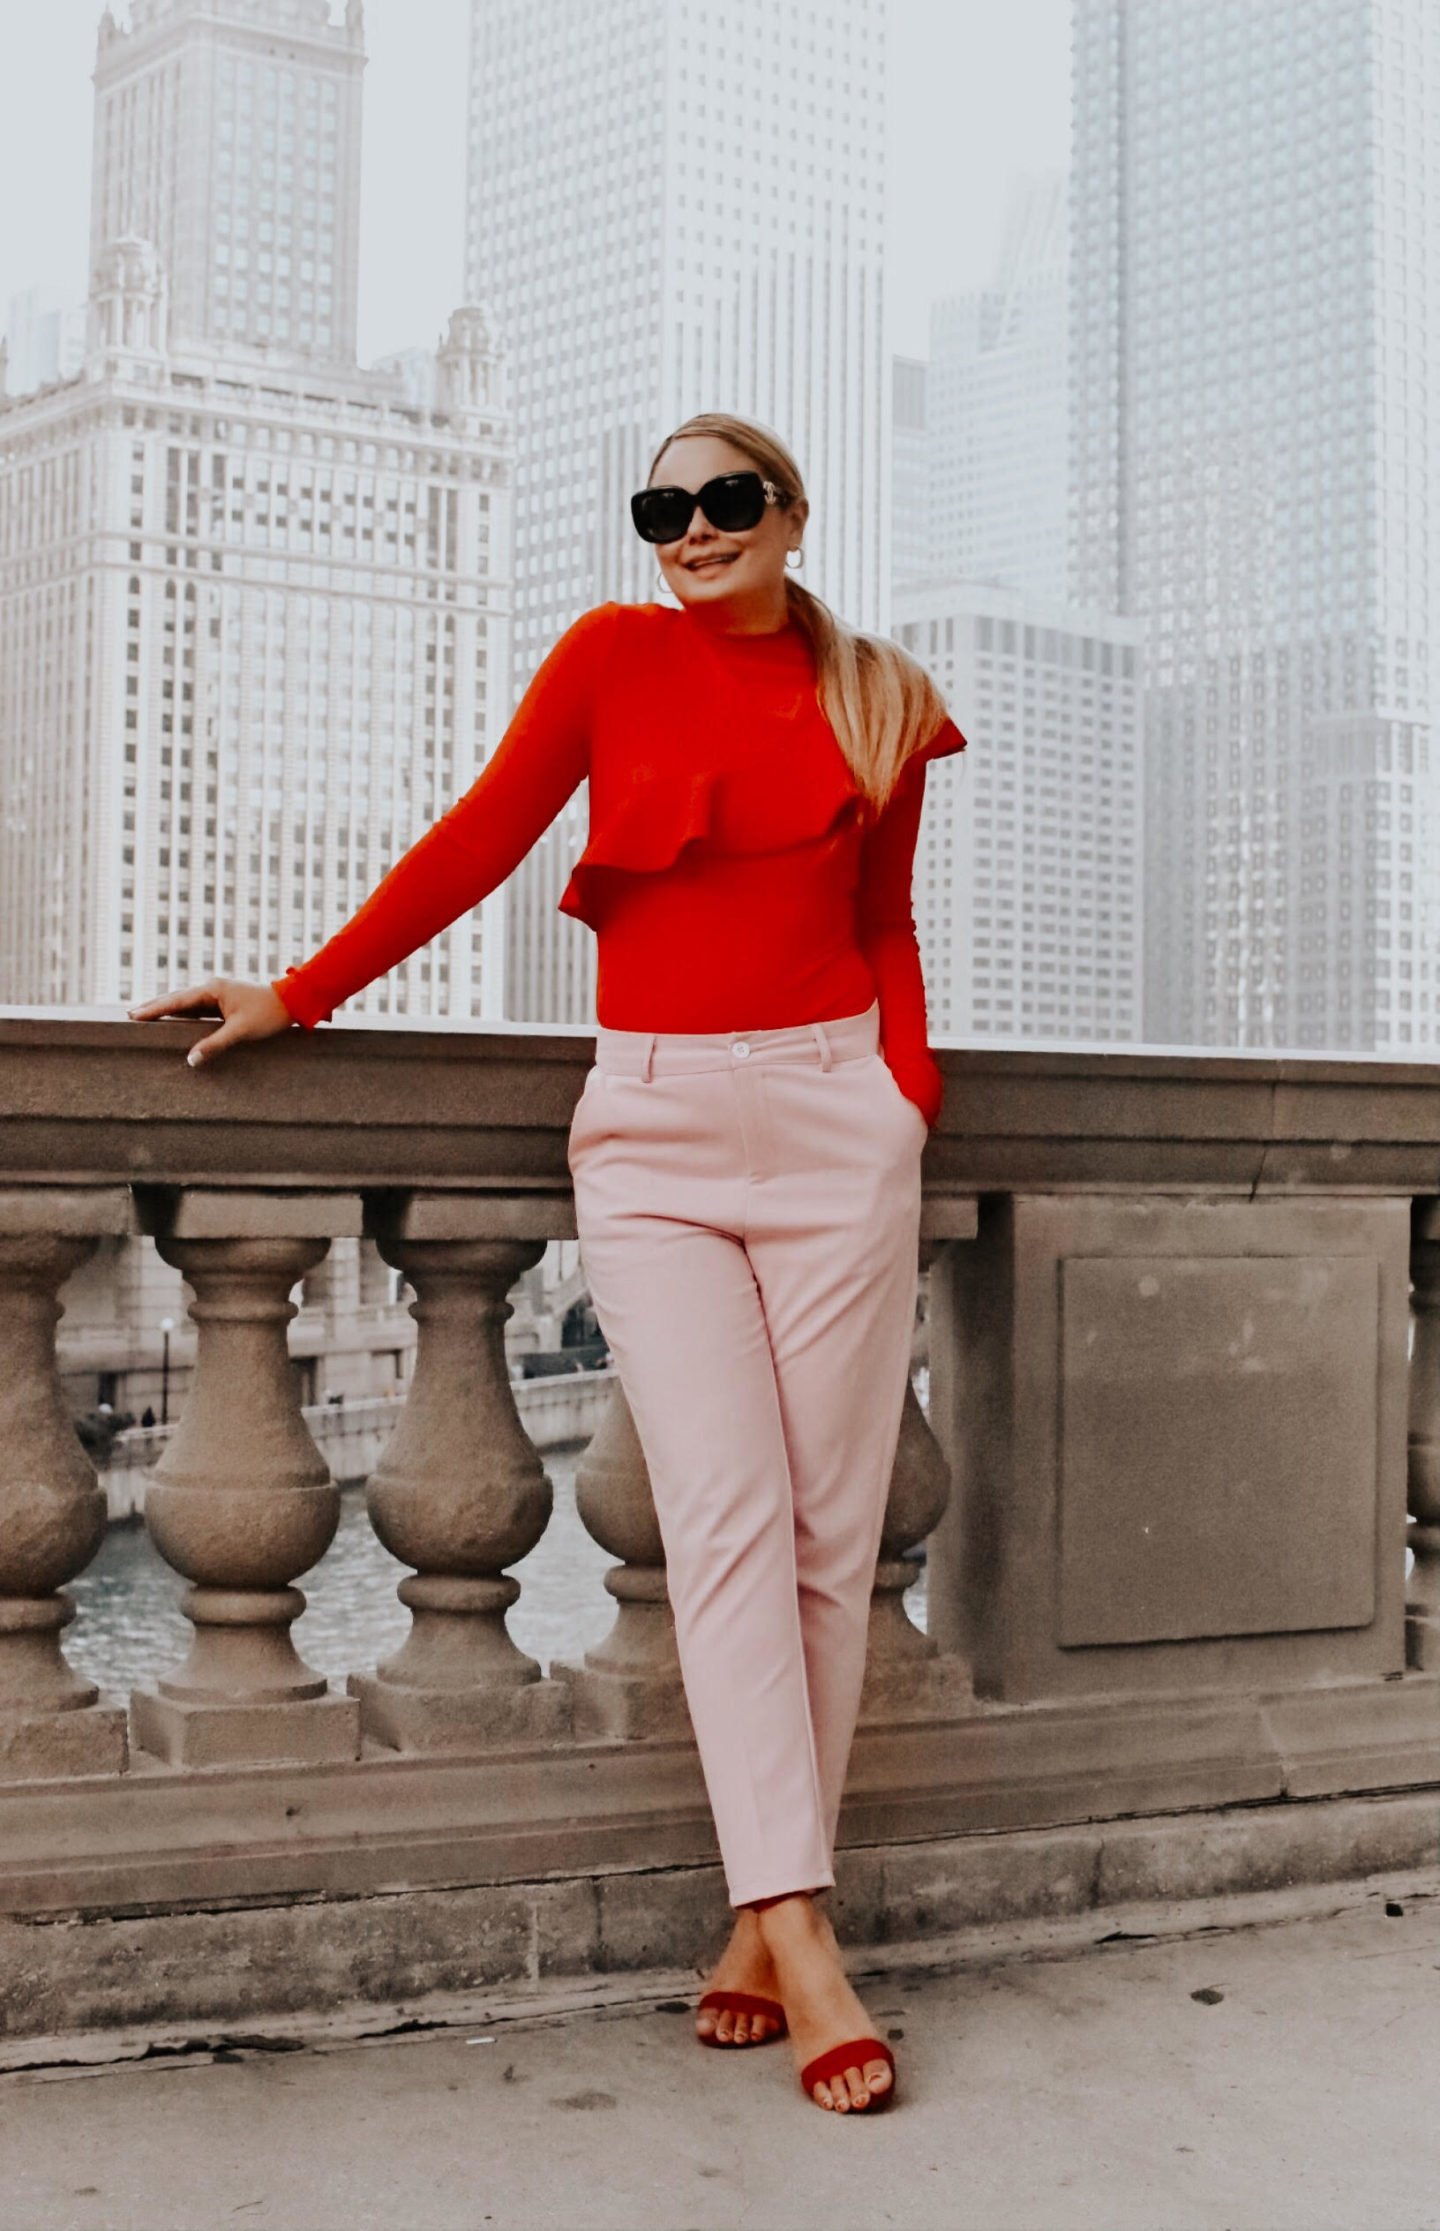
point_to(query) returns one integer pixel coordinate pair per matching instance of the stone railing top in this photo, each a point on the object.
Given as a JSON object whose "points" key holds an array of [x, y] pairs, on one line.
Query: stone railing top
{"points": [[90, 1100]]}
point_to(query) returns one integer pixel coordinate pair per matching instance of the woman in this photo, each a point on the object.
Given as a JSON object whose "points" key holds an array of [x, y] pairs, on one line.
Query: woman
{"points": [[746, 1149]]}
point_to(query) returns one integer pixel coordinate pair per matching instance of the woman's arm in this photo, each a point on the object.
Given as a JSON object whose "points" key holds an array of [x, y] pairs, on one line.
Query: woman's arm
{"points": [[539, 763], [885, 924]]}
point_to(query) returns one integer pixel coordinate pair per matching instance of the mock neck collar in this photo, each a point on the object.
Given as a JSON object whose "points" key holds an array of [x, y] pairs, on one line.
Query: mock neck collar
{"points": [[706, 621]]}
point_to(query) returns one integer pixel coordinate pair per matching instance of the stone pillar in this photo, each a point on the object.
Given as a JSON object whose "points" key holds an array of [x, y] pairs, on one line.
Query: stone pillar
{"points": [[52, 1510], [1422, 1605], [905, 1673], [460, 1492], [242, 1502], [629, 1685]]}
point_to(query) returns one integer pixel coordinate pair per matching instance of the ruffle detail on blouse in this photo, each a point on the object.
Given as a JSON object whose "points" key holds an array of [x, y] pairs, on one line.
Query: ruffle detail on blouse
{"points": [[646, 828]]}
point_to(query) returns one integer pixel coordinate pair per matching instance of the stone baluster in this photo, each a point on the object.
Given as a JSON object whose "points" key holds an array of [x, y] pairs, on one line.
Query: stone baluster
{"points": [[630, 1684], [242, 1501], [905, 1672], [52, 1511], [460, 1492], [1422, 1607]]}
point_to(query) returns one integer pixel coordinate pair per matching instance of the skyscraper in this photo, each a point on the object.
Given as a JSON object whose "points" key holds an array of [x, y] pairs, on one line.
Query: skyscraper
{"points": [[1255, 306], [997, 402], [246, 647], [44, 340], [674, 207], [228, 135], [911, 560], [1027, 886], [254, 611]]}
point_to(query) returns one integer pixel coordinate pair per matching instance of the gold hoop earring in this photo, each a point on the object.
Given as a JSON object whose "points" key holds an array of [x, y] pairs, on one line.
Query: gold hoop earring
{"points": [[798, 556]]}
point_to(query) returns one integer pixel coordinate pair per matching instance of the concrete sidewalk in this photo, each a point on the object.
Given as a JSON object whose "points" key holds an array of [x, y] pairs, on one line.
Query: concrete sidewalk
{"points": [[1232, 2080]]}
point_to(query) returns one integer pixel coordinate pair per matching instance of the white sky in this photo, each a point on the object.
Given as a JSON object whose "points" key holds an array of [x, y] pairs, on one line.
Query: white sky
{"points": [[979, 92]]}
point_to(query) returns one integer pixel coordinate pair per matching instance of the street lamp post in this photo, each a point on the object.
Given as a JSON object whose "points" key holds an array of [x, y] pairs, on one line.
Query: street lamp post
{"points": [[167, 1326]]}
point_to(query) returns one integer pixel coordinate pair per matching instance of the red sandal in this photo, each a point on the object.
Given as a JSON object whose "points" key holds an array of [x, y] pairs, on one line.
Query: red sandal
{"points": [[838, 2059], [742, 2002]]}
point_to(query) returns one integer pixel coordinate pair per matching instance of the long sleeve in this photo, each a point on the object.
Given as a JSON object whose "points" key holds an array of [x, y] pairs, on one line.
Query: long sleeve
{"points": [[538, 764], [885, 927]]}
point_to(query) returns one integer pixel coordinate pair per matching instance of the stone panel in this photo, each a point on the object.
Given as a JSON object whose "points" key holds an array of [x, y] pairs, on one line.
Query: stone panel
{"points": [[1272, 1479], [1217, 1445]]}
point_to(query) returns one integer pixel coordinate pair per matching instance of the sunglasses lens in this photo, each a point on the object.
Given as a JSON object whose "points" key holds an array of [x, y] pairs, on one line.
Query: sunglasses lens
{"points": [[661, 514], [734, 502]]}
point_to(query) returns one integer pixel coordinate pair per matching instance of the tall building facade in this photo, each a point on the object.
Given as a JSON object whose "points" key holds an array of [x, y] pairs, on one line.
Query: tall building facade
{"points": [[1256, 443], [254, 626], [911, 560], [247, 646], [674, 207], [1028, 880], [998, 408], [228, 135], [44, 340]]}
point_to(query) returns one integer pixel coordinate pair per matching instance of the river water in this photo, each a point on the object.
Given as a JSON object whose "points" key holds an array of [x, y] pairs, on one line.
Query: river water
{"points": [[130, 1626]]}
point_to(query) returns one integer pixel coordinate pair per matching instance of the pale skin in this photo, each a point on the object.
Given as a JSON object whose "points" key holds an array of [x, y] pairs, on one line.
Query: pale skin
{"points": [[784, 1950]]}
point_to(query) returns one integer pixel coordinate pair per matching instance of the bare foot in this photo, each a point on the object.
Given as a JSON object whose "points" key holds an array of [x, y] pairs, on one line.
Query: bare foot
{"points": [[744, 1965], [822, 2009]]}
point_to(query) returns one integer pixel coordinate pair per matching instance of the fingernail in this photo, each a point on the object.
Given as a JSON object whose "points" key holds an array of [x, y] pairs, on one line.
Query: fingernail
{"points": [[193, 1057]]}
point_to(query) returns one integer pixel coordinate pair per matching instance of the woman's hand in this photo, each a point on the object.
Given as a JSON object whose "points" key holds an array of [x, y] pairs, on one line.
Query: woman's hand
{"points": [[249, 1011]]}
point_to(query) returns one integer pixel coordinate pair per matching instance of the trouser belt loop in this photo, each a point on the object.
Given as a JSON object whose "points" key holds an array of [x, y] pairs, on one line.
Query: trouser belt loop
{"points": [[649, 1056], [824, 1044]]}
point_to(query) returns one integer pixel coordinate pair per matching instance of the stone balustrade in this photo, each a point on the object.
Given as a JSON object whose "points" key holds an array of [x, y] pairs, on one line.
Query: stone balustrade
{"points": [[1176, 1444]]}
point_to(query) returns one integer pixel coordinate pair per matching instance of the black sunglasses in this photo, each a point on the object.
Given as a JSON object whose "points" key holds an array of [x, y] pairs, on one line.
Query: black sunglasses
{"points": [[732, 503]]}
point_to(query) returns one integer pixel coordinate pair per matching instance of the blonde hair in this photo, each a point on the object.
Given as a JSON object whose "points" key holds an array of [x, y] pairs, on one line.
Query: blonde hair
{"points": [[879, 700]]}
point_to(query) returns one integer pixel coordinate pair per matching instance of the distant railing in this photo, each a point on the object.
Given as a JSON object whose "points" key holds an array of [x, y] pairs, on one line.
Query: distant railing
{"points": [[351, 1435]]}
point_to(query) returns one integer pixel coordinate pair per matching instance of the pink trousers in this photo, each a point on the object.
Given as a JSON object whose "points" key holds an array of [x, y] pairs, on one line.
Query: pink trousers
{"points": [[748, 1207]]}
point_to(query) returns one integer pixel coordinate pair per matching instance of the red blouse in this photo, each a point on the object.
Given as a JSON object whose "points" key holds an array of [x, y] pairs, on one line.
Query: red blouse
{"points": [[735, 876]]}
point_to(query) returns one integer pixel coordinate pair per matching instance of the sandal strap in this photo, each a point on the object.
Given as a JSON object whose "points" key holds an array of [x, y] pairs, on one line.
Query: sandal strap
{"points": [[840, 2057], [743, 2002]]}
